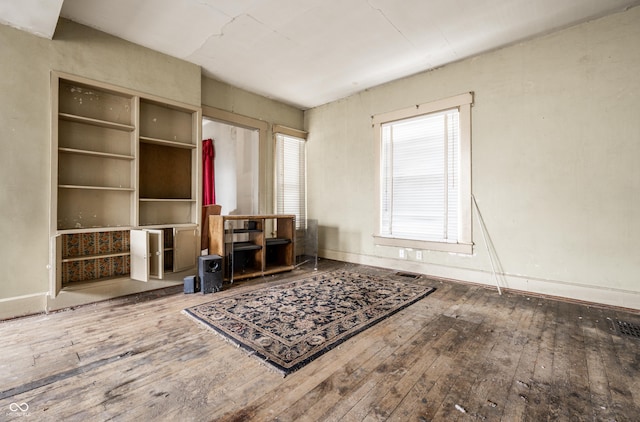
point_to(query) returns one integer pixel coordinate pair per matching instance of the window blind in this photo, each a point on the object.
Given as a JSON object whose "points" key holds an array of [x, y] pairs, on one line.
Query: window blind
{"points": [[291, 195], [420, 177]]}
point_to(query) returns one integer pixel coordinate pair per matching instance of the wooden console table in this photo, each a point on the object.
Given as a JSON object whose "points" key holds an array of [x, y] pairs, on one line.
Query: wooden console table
{"points": [[253, 245]]}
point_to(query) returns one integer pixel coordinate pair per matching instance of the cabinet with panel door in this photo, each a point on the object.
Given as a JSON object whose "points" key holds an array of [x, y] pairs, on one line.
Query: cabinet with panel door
{"points": [[123, 162]]}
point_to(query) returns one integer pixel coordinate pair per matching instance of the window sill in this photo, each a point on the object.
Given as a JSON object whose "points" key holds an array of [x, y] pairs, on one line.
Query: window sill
{"points": [[463, 248]]}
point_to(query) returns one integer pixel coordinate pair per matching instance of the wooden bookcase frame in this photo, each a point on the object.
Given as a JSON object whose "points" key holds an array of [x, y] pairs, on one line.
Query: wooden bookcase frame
{"points": [[114, 155]]}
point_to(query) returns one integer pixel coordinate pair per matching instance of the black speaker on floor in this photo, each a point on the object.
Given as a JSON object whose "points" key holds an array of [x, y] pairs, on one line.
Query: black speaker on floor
{"points": [[191, 284], [210, 273]]}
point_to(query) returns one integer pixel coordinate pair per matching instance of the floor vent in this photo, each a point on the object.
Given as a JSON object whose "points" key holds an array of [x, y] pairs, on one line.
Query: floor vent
{"points": [[409, 275], [628, 329]]}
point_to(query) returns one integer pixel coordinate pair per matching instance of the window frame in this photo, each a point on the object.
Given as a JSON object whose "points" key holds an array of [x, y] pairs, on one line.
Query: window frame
{"points": [[292, 133], [463, 103]]}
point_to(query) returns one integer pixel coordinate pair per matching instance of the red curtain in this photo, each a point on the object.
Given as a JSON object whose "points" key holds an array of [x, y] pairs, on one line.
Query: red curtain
{"points": [[208, 173]]}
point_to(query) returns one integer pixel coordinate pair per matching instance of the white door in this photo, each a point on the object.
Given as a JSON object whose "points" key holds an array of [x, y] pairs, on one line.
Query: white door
{"points": [[147, 254], [139, 240], [185, 248], [55, 279], [156, 253]]}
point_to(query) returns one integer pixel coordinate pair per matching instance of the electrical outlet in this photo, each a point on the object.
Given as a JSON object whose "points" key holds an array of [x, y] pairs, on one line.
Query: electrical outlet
{"points": [[419, 255], [401, 253]]}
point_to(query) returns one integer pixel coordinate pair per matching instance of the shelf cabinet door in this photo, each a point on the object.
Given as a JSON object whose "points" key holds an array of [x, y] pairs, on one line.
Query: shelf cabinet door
{"points": [[156, 253], [55, 278], [139, 255], [185, 248], [147, 254]]}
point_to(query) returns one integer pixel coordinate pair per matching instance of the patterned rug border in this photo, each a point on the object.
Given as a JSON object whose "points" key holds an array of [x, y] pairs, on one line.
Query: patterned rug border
{"points": [[284, 371], [245, 348]]}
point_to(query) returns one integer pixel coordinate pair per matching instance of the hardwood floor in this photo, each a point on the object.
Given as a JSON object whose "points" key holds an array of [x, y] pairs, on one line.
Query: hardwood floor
{"points": [[463, 353]]}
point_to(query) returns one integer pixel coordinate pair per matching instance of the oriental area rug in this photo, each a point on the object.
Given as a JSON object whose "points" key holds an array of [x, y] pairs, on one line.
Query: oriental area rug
{"points": [[291, 324]]}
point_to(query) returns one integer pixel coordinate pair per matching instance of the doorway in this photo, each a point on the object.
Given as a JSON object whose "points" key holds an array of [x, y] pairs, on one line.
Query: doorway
{"points": [[236, 166]]}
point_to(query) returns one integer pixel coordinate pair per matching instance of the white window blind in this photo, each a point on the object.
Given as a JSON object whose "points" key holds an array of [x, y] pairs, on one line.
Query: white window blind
{"points": [[420, 175], [291, 195]]}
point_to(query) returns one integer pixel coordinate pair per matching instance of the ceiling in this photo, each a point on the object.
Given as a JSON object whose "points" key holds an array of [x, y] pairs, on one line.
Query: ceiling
{"points": [[310, 52]]}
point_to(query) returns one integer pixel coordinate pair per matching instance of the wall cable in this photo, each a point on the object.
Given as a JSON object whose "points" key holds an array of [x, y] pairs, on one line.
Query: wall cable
{"points": [[486, 244]]}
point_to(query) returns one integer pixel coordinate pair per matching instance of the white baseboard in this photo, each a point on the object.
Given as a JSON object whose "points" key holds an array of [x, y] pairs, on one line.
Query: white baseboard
{"points": [[82, 294], [562, 289], [23, 305], [104, 290]]}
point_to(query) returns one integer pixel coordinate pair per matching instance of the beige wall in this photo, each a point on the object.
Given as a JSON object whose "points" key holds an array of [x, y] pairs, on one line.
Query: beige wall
{"points": [[235, 100], [555, 148]]}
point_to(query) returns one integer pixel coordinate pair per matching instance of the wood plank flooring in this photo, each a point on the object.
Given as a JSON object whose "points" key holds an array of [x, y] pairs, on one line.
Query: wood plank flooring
{"points": [[464, 353]]}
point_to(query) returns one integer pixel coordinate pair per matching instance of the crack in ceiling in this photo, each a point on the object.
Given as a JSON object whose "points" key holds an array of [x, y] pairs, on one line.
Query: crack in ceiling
{"points": [[384, 15]]}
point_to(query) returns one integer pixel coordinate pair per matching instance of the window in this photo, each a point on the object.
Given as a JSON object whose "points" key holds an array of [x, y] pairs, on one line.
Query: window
{"points": [[290, 177], [424, 183]]}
